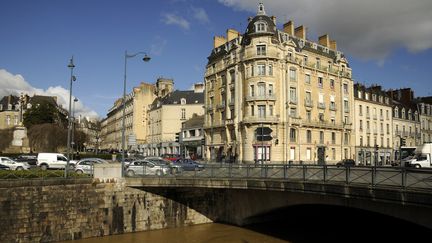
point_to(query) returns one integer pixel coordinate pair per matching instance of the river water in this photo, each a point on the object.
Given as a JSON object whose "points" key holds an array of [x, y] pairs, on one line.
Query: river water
{"points": [[306, 224]]}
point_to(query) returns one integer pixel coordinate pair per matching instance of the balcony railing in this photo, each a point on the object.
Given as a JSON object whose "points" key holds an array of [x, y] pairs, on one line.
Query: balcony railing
{"points": [[321, 105], [293, 101], [261, 97], [308, 102], [322, 124], [332, 107], [256, 119]]}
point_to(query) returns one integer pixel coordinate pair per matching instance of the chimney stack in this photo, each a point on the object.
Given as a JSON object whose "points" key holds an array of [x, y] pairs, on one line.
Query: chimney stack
{"points": [[218, 41], [324, 40], [300, 32], [232, 34], [333, 45], [289, 27]]}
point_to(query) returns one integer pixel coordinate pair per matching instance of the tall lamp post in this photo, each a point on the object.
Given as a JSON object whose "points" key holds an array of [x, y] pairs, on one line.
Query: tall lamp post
{"points": [[73, 126], [145, 59], [72, 78]]}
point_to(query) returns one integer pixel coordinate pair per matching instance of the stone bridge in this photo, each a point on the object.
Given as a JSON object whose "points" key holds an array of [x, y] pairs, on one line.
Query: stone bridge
{"points": [[242, 195]]}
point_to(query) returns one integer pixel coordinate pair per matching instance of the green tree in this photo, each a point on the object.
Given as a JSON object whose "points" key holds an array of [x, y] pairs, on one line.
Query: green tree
{"points": [[43, 113], [47, 137]]}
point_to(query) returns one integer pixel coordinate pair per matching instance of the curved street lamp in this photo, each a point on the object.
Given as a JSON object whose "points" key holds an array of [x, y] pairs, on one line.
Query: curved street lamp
{"points": [[145, 59], [72, 78]]}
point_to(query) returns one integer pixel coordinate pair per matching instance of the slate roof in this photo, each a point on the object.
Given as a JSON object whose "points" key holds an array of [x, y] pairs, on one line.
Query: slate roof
{"points": [[175, 97], [10, 99]]}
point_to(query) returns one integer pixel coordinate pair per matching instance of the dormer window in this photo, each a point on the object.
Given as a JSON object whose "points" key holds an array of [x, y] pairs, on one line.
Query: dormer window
{"points": [[403, 113], [260, 27], [9, 107], [183, 101], [396, 112]]}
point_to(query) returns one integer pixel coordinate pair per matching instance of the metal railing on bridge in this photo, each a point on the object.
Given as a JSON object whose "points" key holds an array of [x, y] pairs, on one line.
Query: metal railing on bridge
{"points": [[400, 177]]}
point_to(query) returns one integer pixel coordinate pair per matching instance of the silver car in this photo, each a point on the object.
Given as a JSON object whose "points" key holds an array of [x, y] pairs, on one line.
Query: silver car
{"points": [[13, 165], [85, 166], [146, 167], [174, 168]]}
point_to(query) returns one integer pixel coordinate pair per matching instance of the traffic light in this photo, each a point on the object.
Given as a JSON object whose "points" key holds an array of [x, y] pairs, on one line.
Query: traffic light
{"points": [[177, 137], [402, 142]]}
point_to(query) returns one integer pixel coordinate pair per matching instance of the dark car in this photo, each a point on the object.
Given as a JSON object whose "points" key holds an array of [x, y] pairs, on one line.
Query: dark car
{"points": [[30, 159], [346, 163], [189, 165]]}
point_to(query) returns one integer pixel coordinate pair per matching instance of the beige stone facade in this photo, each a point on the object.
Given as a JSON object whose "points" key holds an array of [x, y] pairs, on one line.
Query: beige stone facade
{"points": [[137, 103], [373, 125], [271, 79], [166, 115], [425, 110]]}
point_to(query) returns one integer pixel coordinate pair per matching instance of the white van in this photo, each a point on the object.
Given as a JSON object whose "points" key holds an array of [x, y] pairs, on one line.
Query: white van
{"points": [[422, 156], [53, 161]]}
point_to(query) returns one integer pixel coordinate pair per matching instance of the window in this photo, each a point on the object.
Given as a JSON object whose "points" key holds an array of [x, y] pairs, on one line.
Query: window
{"points": [[333, 135], [261, 69], [293, 112], [261, 89], [260, 27], [396, 112], [222, 115], [307, 78], [292, 135], [388, 128], [345, 88], [331, 83], [320, 82], [183, 113], [308, 153], [308, 115], [16, 120], [305, 60], [293, 94], [8, 120], [318, 63], [262, 153], [308, 98], [252, 90], [321, 137], [183, 101], [261, 111], [270, 89], [309, 136], [361, 125], [270, 70], [387, 114], [361, 141], [346, 105], [368, 141], [261, 50], [271, 110], [360, 110], [293, 74], [252, 110], [333, 153], [321, 116], [346, 138]]}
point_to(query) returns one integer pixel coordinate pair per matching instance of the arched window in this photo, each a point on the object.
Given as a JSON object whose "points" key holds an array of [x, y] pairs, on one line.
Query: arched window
{"points": [[261, 89], [396, 112], [260, 26], [183, 101]]}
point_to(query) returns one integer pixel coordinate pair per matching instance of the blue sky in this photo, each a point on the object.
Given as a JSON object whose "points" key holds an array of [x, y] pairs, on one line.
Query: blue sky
{"points": [[391, 47]]}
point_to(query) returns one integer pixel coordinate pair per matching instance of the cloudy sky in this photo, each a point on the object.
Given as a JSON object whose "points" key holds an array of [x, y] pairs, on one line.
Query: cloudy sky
{"points": [[388, 42]]}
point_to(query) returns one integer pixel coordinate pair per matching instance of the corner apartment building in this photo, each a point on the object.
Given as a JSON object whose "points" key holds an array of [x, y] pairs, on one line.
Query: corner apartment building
{"points": [[373, 125], [9, 112], [406, 120], [166, 114], [273, 96]]}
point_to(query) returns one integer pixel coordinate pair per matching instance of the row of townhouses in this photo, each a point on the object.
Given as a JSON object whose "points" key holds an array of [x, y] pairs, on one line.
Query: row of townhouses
{"points": [[272, 96]]}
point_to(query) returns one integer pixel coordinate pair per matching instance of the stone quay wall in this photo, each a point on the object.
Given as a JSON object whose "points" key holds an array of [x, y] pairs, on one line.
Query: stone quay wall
{"points": [[66, 209]]}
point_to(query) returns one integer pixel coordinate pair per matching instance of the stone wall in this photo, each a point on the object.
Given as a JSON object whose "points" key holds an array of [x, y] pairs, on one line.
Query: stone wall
{"points": [[60, 209]]}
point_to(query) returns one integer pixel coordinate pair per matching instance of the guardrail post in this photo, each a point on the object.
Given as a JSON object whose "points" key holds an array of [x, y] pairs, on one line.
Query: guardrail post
{"points": [[229, 170], [304, 172], [404, 175], [247, 170], [285, 168], [373, 176], [324, 173], [347, 174]]}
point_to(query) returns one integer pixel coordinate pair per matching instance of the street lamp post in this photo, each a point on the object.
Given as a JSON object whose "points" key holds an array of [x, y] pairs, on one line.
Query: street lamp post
{"points": [[72, 78], [73, 126], [145, 59]]}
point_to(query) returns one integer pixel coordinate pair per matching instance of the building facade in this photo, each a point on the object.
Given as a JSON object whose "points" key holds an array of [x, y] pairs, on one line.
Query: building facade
{"points": [[424, 106], [9, 112], [273, 96], [192, 137], [165, 117], [136, 110], [373, 125], [406, 120]]}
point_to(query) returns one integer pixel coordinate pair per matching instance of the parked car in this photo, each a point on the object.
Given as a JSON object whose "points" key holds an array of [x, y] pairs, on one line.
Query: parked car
{"points": [[30, 159], [146, 167], [174, 168], [346, 163], [4, 167], [85, 166], [54, 161], [171, 157], [189, 165], [13, 165]]}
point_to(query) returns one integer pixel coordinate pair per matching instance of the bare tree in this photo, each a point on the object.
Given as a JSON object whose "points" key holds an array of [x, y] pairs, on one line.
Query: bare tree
{"points": [[47, 137]]}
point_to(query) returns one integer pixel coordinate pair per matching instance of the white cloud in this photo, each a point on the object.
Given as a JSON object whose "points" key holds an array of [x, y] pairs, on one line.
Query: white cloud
{"points": [[169, 18], [367, 29], [16, 84], [200, 14], [158, 46]]}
